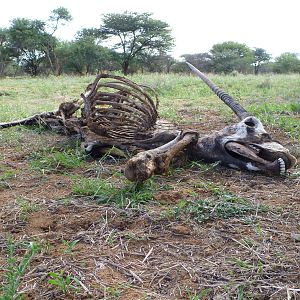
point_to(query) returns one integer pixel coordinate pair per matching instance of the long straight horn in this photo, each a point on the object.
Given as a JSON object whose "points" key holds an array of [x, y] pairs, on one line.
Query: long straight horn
{"points": [[226, 98]]}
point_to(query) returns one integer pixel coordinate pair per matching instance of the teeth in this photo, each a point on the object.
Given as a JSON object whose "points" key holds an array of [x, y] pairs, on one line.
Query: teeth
{"points": [[254, 148], [281, 165]]}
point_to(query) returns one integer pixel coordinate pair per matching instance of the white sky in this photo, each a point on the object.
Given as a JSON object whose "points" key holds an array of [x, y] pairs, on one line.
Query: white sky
{"points": [[196, 24]]}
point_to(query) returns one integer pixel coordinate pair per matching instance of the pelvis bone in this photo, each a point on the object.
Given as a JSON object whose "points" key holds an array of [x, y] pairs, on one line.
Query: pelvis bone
{"points": [[123, 114]]}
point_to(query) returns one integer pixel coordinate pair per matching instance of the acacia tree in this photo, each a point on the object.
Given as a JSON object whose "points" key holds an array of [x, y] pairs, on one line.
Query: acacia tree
{"points": [[32, 45], [260, 57], [155, 63], [83, 56], [58, 16], [287, 63], [27, 39], [136, 34]]}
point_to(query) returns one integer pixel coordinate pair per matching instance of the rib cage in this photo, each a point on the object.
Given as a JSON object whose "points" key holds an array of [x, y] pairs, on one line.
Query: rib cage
{"points": [[120, 109]]}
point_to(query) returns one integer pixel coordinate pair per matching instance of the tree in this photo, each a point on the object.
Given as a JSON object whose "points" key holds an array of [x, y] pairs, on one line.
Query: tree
{"points": [[83, 56], [136, 34], [231, 56], [89, 33], [27, 39], [33, 46], [58, 15], [5, 51], [155, 63], [260, 57], [287, 63]]}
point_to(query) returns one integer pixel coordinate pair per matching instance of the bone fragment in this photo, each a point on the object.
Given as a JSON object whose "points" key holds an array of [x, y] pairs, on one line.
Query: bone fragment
{"points": [[35, 119]]}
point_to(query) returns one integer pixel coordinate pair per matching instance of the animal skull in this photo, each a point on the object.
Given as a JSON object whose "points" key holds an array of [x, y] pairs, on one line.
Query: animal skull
{"points": [[245, 145]]}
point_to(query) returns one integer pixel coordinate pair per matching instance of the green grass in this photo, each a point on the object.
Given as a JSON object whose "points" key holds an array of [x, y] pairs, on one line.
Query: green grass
{"points": [[112, 191], [266, 95], [16, 269], [70, 245], [273, 98], [283, 115], [65, 283], [22, 97], [51, 160], [203, 294], [26, 207], [115, 292], [221, 205], [6, 173]]}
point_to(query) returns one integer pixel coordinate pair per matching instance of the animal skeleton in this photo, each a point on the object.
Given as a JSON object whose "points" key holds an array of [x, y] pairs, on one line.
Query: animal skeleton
{"points": [[123, 114]]}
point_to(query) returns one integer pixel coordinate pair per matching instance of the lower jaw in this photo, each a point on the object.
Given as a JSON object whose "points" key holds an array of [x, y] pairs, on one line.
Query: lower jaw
{"points": [[277, 167]]}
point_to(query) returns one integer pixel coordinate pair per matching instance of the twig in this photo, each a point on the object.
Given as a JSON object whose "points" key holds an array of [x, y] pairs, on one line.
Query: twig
{"points": [[84, 287], [136, 276], [148, 254]]}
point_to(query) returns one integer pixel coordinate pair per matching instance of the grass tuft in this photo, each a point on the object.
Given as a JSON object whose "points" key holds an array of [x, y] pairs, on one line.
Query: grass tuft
{"points": [[53, 160], [65, 283], [16, 270], [107, 191]]}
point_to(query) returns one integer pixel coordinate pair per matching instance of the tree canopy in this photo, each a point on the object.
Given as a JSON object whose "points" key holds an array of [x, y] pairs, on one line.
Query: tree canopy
{"points": [[28, 40], [260, 57], [59, 15], [32, 45], [202, 61], [5, 50], [231, 56], [287, 63], [83, 56]]}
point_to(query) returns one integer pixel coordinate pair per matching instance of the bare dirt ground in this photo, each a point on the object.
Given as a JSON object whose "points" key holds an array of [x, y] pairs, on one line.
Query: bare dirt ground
{"points": [[155, 250]]}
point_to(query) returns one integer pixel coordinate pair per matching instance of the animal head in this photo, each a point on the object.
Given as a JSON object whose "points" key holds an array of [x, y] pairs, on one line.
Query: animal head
{"points": [[245, 145]]}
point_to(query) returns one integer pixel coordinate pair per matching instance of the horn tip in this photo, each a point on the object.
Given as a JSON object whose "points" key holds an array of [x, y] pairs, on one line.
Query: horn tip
{"points": [[190, 65], [194, 69]]}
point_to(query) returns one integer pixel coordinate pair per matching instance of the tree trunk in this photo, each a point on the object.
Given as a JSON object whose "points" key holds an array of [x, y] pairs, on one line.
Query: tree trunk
{"points": [[50, 60], [256, 69], [125, 66]]}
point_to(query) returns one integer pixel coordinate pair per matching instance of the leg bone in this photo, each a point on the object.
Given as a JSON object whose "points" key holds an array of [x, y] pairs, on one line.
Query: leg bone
{"points": [[157, 161]]}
